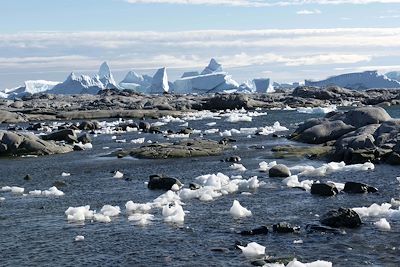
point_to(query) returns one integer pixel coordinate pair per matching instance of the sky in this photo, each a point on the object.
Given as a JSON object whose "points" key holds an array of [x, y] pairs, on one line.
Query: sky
{"points": [[285, 40]]}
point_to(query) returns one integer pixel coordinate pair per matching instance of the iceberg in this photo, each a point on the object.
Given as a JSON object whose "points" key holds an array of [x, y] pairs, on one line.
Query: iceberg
{"points": [[135, 81], [190, 74], [359, 80], [263, 85], [30, 87], [212, 67], [106, 77], [394, 75], [160, 83]]}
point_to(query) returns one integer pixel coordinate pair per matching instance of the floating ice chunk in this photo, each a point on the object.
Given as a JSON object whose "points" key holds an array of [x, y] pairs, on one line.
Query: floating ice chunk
{"points": [[138, 140], [317, 110], [382, 224], [293, 181], [395, 203], [173, 213], [238, 167], [78, 214], [376, 210], [253, 250], [211, 124], [111, 211], [237, 211], [118, 174], [298, 241], [398, 179], [234, 117], [141, 219], [179, 135], [296, 263], [331, 167], [132, 207], [120, 141], [211, 131], [101, 218], [168, 119], [35, 192], [52, 191], [265, 166], [2, 199], [79, 238], [267, 130], [166, 198], [84, 146], [113, 137], [175, 187], [186, 124], [158, 124], [65, 174], [17, 190]]}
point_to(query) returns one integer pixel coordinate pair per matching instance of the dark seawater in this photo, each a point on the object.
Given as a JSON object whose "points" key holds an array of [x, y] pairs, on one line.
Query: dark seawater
{"points": [[34, 231]]}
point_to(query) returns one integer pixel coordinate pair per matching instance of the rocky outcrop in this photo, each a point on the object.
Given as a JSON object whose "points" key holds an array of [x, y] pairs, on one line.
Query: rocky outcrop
{"points": [[162, 182], [356, 136], [279, 170], [12, 143], [322, 189], [180, 149]]}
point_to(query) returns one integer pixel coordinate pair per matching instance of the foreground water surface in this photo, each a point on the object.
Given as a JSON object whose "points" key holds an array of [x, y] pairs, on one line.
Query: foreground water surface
{"points": [[34, 231]]}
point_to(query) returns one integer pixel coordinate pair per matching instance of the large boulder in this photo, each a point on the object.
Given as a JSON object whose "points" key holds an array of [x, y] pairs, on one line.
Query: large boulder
{"points": [[89, 125], [162, 182], [11, 117], [21, 144], [366, 115], [279, 170], [228, 101], [341, 217], [66, 135], [323, 132]]}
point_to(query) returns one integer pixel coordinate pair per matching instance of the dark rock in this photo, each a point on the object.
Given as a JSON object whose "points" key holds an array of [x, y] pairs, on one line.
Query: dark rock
{"points": [[358, 188], [284, 227], [186, 131], [233, 159], [279, 170], [78, 148], [323, 189], [59, 184], [162, 183], [341, 217], [366, 115], [263, 230], [144, 126], [155, 130], [194, 186], [85, 138], [89, 125], [66, 135], [35, 127], [222, 250], [258, 262], [27, 177]]}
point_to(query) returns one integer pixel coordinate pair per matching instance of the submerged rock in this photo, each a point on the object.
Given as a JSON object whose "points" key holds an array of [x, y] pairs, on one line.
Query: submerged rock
{"points": [[341, 217], [262, 230], [66, 135], [358, 188], [285, 227]]}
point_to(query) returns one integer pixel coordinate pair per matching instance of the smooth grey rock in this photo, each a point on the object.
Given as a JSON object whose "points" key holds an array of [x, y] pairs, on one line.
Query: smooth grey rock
{"points": [[366, 115], [279, 170]]}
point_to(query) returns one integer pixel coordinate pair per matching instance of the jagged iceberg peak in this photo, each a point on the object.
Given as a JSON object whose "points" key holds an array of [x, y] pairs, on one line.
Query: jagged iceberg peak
{"points": [[212, 67], [160, 84], [71, 77], [106, 77], [133, 77]]}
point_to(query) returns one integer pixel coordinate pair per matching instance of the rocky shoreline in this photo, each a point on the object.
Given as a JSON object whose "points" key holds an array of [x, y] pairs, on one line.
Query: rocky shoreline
{"points": [[128, 104]]}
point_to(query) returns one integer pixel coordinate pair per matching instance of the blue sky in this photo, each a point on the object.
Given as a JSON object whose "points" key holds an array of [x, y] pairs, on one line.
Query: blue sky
{"points": [[281, 39]]}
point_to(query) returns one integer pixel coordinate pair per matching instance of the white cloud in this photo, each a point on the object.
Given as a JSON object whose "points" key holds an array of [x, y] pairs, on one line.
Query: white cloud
{"points": [[308, 12], [261, 3]]}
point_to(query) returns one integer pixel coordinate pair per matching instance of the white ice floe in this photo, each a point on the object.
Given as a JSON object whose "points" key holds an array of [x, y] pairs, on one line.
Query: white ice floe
{"points": [[35, 192], [84, 146], [317, 110], [319, 263], [382, 224], [132, 207], [65, 174], [158, 124], [111, 211], [141, 219], [265, 166], [138, 140], [238, 167], [98, 217], [186, 124], [398, 179], [168, 119], [2, 199], [79, 238], [293, 181], [266, 130], [376, 210], [328, 168], [165, 199], [253, 250], [52, 191], [238, 118], [211, 131], [395, 203], [13, 189], [118, 175], [237, 211], [173, 213], [79, 214], [210, 124]]}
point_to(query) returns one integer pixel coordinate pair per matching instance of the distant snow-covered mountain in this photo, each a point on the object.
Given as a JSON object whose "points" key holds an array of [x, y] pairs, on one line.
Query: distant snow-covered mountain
{"points": [[394, 75], [359, 80]]}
